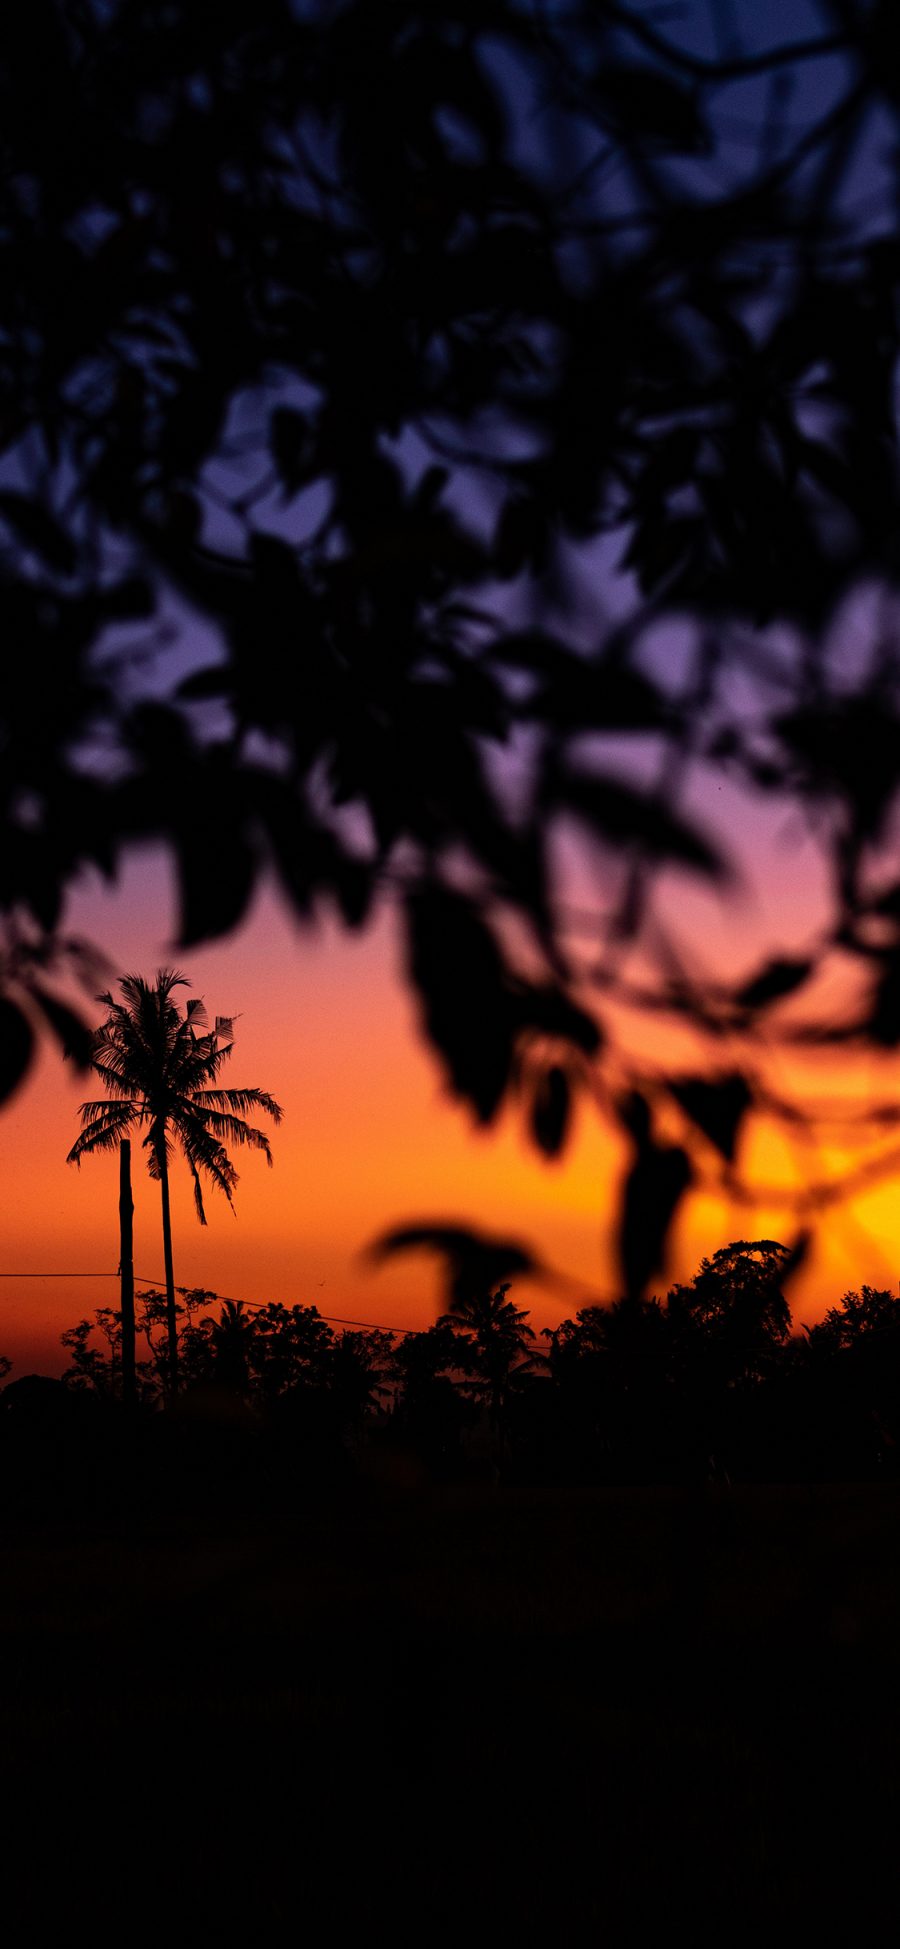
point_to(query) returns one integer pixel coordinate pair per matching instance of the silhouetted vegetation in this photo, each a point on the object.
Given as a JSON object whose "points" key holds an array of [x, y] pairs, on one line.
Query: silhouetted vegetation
{"points": [[374, 347], [427, 433], [705, 1385], [160, 1070], [347, 1585]]}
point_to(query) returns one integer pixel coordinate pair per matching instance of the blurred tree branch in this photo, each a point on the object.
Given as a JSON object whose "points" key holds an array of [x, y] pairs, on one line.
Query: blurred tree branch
{"points": [[353, 333]]}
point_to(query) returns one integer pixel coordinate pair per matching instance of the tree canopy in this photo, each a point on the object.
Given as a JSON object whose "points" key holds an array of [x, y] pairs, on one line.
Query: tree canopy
{"points": [[355, 364]]}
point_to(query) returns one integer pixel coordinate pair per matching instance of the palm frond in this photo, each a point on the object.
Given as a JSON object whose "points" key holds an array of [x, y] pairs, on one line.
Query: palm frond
{"points": [[161, 1074], [103, 1107], [204, 1153], [238, 1102], [104, 1125], [234, 1130], [119, 1077], [198, 1190]]}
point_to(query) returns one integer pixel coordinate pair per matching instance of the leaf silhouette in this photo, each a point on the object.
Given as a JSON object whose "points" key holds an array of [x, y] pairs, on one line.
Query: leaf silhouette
{"points": [[547, 1009], [475, 1262], [16, 1047], [621, 816], [551, 1111], [461, 978], [884, 1010], [36, 528], [717, 1106], [652, 107], [773, 982], [848, 748], [74, 1036], [654, 1187]]}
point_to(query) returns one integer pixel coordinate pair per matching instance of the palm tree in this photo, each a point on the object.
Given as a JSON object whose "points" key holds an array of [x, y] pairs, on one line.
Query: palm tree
{"points": [[232, 1338], [498, 1337], [160, 1073]]}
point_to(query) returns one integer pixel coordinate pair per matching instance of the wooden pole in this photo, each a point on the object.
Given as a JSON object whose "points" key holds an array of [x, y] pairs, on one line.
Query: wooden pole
{"points": [[126, 1271]]}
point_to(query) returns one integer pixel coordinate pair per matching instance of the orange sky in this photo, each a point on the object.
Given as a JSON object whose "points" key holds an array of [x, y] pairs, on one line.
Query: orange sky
{"points": [[369, 1139]]}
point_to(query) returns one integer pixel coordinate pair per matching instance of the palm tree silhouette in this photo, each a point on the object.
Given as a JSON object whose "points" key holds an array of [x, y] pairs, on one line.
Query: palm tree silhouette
{"points": [[161, 1073], [499, 1342], [232, 1337]]}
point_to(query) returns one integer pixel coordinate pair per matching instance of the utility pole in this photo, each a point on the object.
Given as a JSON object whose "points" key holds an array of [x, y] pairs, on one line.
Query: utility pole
{"points": [[126, 1271]]}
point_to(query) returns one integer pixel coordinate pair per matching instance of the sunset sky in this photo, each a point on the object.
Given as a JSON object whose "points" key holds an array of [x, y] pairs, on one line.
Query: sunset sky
{"points": [[370, 1139]]}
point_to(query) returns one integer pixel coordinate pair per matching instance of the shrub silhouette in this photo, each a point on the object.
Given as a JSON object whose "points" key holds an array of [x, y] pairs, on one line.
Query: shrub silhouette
{"points": [[705, 1384]]}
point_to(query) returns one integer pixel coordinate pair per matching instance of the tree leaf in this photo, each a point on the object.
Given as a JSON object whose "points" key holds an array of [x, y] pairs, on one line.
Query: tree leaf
{"points": [[475, 1262], [16, 1047], [456, 966], [883, 1022], [75, 1037], [653, 1190], [551, 1110], [216, 879], [717, 1106], [38, 530], [547, 1009], [649, 106], [774, 980], [621, 816], [292, 441]]}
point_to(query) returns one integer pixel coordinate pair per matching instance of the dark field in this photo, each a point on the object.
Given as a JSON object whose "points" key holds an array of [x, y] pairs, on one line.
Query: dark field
{"points": [[574, 1714]]}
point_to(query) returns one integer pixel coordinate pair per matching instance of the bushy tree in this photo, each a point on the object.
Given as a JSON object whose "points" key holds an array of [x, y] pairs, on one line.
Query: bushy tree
{"points": [[734, 1310], [858, 1316]]}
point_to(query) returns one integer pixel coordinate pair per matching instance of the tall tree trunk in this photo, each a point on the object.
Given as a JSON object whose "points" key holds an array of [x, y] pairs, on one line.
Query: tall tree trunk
{"points": [[171, 1317], [126, 1271]]}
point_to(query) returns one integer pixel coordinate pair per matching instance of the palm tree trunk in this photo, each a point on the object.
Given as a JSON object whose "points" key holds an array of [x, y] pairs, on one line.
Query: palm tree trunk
{"points": [[171, 1317], [126, 1271]]}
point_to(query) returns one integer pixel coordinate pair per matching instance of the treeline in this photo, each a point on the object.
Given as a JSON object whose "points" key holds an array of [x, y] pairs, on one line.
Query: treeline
{"points": [[708, 1383]]}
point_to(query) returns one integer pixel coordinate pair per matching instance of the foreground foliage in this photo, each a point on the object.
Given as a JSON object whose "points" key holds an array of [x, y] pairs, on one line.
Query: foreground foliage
{"points": [[490, 391]]}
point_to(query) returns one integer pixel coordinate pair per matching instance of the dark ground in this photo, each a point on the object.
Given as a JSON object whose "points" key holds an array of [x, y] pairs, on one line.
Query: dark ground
{"points": [[576, 1715]]}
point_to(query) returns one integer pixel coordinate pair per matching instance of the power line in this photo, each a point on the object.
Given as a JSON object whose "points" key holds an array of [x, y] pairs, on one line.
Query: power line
{"points": [[249, 1305], [259, 1306], [224, 1299]]}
